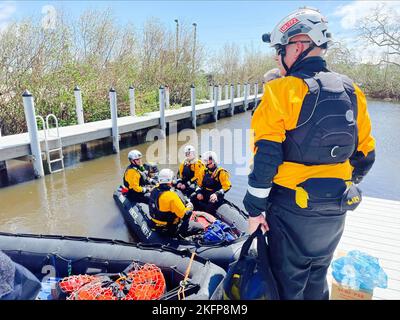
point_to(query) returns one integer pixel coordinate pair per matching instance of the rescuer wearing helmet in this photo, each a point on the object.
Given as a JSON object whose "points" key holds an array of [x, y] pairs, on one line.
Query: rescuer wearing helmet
{"points": [[190, 171], [167, 210], [136, 181], [269, 76], [312, 144], [213, 183]]}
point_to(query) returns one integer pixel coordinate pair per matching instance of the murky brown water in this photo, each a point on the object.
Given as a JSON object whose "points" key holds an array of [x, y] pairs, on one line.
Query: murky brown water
{"points": [[79, 200]]}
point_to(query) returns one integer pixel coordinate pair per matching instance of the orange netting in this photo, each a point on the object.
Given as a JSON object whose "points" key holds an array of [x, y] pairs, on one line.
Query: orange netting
{"points": [[72, 283], [139, 283]]}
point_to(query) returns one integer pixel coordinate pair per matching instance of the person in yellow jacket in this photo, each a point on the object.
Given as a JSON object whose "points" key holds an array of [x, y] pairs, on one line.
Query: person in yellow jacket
{"points": [[136, 181], [168, 212], [312, 146], [213, 183], [190, 171]]}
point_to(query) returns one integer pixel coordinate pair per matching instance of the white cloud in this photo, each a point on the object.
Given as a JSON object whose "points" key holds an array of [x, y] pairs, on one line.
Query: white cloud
{"points": [[7, 9], [350, 15], [353, 12]]}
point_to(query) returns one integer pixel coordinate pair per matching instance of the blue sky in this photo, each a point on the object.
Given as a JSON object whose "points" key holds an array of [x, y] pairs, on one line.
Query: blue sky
{"points": [[218, 22]]}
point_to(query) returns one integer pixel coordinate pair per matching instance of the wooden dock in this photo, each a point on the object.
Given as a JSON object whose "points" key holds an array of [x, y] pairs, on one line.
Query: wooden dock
{"points": [[15, 146], [374, 228]]}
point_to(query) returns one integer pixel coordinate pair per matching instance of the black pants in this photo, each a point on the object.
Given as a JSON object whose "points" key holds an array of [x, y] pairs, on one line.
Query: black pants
{"points": [[188, 190], [139, 197], [302, 243], [189, 227], [205, 204], [186, 228]]}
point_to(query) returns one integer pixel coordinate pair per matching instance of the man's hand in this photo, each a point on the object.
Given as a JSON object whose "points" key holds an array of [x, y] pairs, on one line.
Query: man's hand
{"points": [[199, 196], [255, 221], [191, 184], [152, 181], [189, 205], [147, 189], [181, 186], [213, 198]]}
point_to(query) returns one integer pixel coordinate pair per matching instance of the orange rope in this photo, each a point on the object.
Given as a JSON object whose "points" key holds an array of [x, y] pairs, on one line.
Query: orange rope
{"points": [[181, 290], [142, 283]]}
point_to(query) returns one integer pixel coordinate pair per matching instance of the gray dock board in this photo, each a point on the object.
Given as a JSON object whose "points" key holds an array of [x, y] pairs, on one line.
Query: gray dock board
{"points": [[15, 146], [378, 236]]}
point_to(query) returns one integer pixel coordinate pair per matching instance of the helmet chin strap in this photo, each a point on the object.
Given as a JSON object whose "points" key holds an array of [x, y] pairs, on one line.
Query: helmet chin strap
{"points": [[283, 62]]}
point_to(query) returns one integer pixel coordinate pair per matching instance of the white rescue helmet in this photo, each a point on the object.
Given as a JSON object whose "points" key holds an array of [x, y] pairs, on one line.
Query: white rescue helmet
{"points": [[306, 21], [134, 155], [210, 155], [165, 176], [189, 152]]}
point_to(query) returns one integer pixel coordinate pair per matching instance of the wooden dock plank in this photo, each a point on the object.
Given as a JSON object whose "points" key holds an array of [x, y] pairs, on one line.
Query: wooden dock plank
{"points": [[377, 234], [368, 237]]}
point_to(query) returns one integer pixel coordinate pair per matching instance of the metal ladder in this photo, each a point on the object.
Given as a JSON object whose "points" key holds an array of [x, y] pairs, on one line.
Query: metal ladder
{"points": [[47, 135]]}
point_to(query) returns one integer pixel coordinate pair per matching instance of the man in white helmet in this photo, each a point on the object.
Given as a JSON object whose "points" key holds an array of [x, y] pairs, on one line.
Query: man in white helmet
{"points": [[270, 75], [136, 181], [168, 212], [190, 171], [312, 144], [213, 183]]}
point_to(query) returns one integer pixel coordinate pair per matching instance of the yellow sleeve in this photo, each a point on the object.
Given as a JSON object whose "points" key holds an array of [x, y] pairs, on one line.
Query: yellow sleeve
{"points": [[198, 167], [267, 120], [133, 178], [225, 181], [201, 173], [366, 143], [176, 205], [279, 109]]}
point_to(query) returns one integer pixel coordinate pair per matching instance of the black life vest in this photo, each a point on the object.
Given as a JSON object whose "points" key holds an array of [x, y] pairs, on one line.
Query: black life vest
{"points": [[142, 181], [167, 217], [188, 171], [211, 180], [326, 131]]}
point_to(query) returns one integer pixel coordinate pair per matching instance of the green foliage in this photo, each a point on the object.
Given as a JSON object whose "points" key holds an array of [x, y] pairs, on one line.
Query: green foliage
{"points": [[96, 53]]}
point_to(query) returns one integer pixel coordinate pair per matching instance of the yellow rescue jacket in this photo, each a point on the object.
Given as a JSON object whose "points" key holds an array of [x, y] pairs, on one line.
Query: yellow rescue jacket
{"points": [[166, 207], [279, 111], [214, 181], [134, 178], [191, 171]]}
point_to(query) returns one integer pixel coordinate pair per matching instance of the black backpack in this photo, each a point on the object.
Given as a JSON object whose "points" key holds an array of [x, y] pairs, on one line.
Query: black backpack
{"points": [[250, 277]]}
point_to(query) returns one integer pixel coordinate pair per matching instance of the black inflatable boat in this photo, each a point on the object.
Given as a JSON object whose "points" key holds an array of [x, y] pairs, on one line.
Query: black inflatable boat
{"points": [[62, 256], [222, 253]]}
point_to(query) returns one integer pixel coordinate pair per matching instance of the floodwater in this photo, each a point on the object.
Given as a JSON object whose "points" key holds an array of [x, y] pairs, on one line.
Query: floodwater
{"points": [[79, 200]]}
